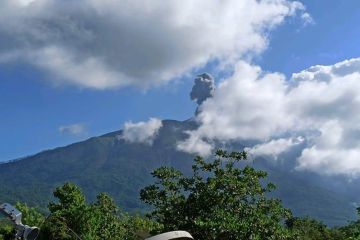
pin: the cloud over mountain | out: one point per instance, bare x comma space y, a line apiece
141, 132
320, 104
104, 44
274, 147
77, 129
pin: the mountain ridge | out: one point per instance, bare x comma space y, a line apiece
110, 164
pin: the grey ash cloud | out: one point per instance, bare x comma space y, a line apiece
203, 88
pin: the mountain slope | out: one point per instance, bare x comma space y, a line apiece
110, 164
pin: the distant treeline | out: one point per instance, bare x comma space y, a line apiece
220, 200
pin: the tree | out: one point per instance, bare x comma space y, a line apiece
109, 224
30, 215
311, 229
68, 217
114, 224
139, 227
71, 217
219, 201
352, 230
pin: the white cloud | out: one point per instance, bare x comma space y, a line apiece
108, 43
68, 70
77, 129
25, 2
195, 144
274, 147
249, 105
141, 132
253, 104
307, 19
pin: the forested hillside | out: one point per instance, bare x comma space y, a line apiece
218, 200
110, 164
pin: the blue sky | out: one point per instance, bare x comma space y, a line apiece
331, 39
33, 108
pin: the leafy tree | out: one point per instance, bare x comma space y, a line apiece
68, 216
115, 224
352, 230
108, 224
311, 229
73, 218
219, 201
139, 227
30, 215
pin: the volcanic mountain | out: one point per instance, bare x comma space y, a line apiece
109, 163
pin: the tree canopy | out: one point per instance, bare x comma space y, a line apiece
219, 201
71, 217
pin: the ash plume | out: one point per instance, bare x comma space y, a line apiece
203, 88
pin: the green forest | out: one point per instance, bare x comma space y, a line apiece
221, 199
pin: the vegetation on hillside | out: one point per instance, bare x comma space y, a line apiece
110, 164
220, 200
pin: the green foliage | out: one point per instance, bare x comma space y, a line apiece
30, 216
207, 204
107, 224
311, 229
219, 201
6, 230
352, 230
73, 218
139, 227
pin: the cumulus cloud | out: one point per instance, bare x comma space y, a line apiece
320, 103
104, 44
195, 144
77, 129
242, 108
141, 132
274, 147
